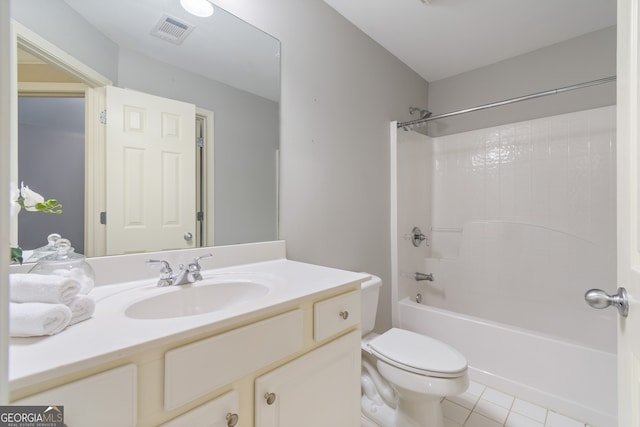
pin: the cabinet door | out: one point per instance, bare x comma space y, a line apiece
220, 412
107, 399
319, 389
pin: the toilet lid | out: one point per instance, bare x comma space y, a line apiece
418, 353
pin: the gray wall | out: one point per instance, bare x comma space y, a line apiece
340, 90
51, 162
582, 59
63, 27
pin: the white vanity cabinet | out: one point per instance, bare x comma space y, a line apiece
322, 387
319, 389
193, 370
295, 364
106, 399
220, 412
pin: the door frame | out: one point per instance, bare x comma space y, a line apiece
205, 183
31, 42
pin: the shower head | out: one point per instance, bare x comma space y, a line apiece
423, 113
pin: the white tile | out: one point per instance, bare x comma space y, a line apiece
467, 399
556, 420
366, 422
449, 423
499, 398
530, 410
475, 389
491, 410
477, 420
517, 420
455, 412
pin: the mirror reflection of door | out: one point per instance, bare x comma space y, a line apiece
150, 172
52, 160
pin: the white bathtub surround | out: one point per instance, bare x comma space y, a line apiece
565, 377
524, 224
521, 224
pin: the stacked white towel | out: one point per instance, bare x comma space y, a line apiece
45, 304
51, 289
82, 308
36, 319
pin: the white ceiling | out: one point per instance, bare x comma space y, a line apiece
221, 47
447, 37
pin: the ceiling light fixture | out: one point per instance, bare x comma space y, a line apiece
201, 8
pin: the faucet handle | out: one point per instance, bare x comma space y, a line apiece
166, 272
194, 268
195, 264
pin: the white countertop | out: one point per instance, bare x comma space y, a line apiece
110, 334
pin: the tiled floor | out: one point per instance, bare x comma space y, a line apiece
482, 406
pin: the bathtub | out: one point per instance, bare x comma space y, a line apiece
568, 378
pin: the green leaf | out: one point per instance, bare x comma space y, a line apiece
16, 255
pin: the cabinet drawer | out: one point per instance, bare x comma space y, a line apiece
335, 314
195, 369
106, 399
211, 414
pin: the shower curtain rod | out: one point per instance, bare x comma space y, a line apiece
410, 123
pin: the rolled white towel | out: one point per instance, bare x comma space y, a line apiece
34, 319
82, 308
25, 287
86, 282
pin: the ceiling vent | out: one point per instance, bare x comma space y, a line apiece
172, 29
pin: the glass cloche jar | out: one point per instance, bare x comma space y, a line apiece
65, 262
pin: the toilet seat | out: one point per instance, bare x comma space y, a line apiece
418, 353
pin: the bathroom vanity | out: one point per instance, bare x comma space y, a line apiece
285, 354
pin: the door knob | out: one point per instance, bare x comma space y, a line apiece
232, 419
188, 236
597, 298
270, 398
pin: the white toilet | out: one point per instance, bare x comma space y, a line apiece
405, 375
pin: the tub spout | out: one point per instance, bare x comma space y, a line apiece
423, 276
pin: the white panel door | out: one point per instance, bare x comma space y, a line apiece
150, 173
628, 133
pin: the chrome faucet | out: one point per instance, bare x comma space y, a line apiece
424, 276
189, 274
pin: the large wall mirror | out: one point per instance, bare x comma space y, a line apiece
226, 73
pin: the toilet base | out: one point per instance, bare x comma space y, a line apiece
408, 414
419, 413
381, 414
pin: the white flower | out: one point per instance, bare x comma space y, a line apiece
30, 198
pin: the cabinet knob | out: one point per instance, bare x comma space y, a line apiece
344, 314
232, 419
270, 398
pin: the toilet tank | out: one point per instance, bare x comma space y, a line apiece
369, 301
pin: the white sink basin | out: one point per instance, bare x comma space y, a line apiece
199, 298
